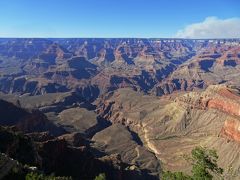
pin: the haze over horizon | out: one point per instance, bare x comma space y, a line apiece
120, 19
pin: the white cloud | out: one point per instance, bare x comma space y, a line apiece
212, 27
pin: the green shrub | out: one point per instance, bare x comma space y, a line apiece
101, 176
204, 166
37, 176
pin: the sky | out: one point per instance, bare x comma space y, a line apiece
120, 18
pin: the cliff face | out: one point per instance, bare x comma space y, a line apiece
231, 130
216, 97
228, 102
226, 106
220, 98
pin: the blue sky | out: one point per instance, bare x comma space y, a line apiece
115, 18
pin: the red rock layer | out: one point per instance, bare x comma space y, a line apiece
231, 129
232, 108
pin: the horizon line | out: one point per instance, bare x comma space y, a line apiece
172, 38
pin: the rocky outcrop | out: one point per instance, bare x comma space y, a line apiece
231, 130
63, 160
61, 156
229, 107
215, 97
17, 146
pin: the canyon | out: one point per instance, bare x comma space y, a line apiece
131, 108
